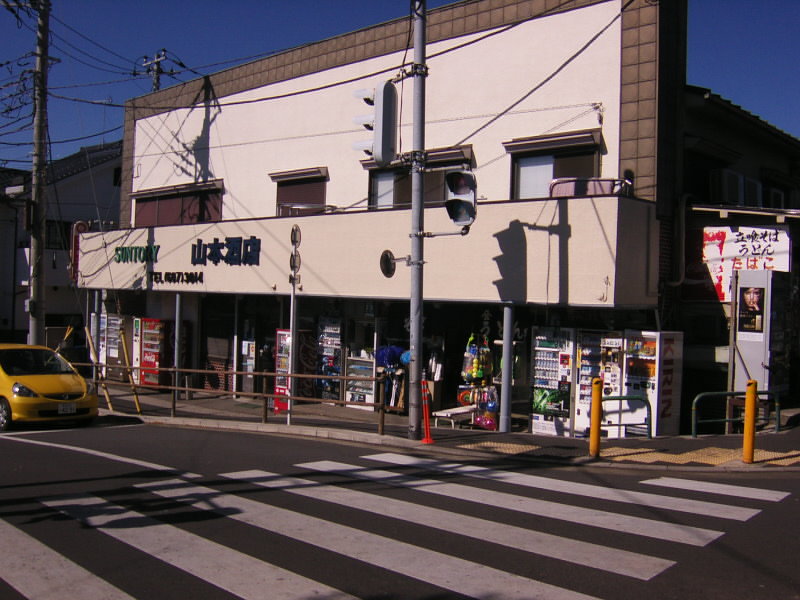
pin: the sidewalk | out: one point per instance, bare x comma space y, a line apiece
717, 452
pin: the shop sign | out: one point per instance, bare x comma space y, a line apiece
233, 251
726, 250
136, 254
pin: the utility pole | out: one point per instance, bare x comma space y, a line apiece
38, 205
153, 67
419, 72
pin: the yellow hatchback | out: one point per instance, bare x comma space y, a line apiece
38, 385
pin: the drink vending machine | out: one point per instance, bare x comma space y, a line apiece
283, 361
552, 359
643, 364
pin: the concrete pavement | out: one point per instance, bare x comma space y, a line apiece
717, 452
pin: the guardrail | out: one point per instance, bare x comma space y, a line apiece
648, 420
728, 419
267, 398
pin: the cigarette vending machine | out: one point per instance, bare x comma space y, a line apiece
633, 365
599, 354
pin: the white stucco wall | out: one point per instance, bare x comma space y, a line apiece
531, 79
468, 88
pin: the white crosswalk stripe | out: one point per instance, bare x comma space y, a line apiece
723, 489
217, 561
455, 574
48, 583
685, 534
229, 569
621, 562
696, 507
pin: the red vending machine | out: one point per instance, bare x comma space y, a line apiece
283, 361
150, 351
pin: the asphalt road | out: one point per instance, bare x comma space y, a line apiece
142, 511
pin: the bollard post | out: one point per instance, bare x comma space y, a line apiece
750, 409
596, 417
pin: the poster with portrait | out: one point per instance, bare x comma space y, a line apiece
751, 309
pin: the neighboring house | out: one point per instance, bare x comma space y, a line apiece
592, 93
83, 187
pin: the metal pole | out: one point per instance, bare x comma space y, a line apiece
95, 330
235, 357
36, 329
293, 348
417, 224
177, 362
507, 369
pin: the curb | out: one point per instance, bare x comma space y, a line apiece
390, 441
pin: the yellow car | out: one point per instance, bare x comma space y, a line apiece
38, 385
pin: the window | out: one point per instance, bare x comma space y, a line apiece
391, 188
536, 161
179, 205
300, 192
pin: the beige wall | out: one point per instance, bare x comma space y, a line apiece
470, 94
579, 264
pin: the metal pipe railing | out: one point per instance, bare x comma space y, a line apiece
704, 395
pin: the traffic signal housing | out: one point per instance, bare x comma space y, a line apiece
382, 123
461, 202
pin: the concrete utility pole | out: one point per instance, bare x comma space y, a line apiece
154, 68
38, 205
419, 72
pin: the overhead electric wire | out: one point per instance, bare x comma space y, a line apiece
88, 39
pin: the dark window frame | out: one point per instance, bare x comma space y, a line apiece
179, 205
301, 191
574, 154
438, 161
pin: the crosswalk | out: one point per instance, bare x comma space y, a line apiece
395, 524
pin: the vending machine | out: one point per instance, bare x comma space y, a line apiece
150, 352
599, 354
653, 371
329, 355
552, 363
283, 362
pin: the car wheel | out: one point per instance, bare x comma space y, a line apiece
5, 415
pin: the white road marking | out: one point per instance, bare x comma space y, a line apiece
695, 507
724, 489
684, 534
620, 562
455, 574
40, 573
238, 573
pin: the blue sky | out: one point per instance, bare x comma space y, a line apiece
744, 50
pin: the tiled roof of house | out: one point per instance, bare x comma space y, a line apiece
85, 158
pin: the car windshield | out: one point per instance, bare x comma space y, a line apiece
32, 361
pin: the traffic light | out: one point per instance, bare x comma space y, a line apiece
382, 123
461, 201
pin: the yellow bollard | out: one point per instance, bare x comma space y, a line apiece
596, 417
748, 443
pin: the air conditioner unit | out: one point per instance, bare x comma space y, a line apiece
752, 193
776, 198
727, 187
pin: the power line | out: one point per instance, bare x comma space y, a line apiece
90, 40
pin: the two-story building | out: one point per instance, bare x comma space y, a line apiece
571, 117
83, 189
